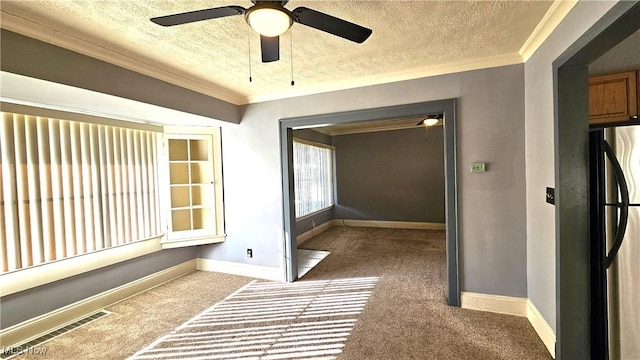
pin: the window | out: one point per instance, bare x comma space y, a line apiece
313, 176
80, 192
69, 188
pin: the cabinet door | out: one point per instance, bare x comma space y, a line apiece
613, 98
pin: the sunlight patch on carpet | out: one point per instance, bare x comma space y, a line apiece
270, 321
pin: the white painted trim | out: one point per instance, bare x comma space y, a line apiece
27, 278
390, 224
542, 327
494, 303
513, 306
315, 231
36, 327
556, 13
248, 270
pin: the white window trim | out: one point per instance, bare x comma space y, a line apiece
165, 204
325, 146
48, 272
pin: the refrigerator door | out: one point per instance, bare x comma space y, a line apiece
624, 273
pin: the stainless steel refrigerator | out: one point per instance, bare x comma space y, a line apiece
615, 242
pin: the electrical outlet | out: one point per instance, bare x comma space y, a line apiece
313, 223
249, 253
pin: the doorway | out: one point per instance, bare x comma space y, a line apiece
573, 301
445, 107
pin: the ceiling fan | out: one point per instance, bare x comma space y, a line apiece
271, 19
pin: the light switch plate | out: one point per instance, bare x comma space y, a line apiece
551, 196
478, 167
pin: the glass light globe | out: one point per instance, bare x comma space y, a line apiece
269, 21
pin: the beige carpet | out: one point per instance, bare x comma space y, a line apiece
405, 315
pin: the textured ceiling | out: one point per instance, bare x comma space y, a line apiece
409, 40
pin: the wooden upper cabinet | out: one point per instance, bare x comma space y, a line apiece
613, 98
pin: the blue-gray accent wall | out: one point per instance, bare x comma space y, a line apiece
391, 175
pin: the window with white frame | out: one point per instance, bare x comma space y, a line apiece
69, 188
76, 187
313, 176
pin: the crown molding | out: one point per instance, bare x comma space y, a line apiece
556, 13
427, 71
75, 43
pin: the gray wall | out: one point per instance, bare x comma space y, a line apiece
492, 205
30, 303
540, 155
391, 175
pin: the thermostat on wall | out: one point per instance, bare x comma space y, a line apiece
478, 167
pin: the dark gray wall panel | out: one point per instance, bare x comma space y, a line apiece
391, 175
28, 304
29, 57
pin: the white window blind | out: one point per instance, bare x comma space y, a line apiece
313, 178
69, 188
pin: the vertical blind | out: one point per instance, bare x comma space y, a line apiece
313, 178
69, 188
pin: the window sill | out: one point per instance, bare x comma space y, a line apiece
34, 276
170, 244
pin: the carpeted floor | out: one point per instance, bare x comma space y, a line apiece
405, 315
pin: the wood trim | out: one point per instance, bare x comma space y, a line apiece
36, 327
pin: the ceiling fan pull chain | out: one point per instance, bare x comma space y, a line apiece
291, 54
249, 42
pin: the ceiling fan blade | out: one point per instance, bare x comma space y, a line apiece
270, 47
198, 15
330, 24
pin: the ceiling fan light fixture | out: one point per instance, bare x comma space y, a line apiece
430, 122
269, 20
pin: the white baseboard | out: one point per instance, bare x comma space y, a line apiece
36, 327
494, 303
513, 306
542, 327
390, 224
248, 270
315, 231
